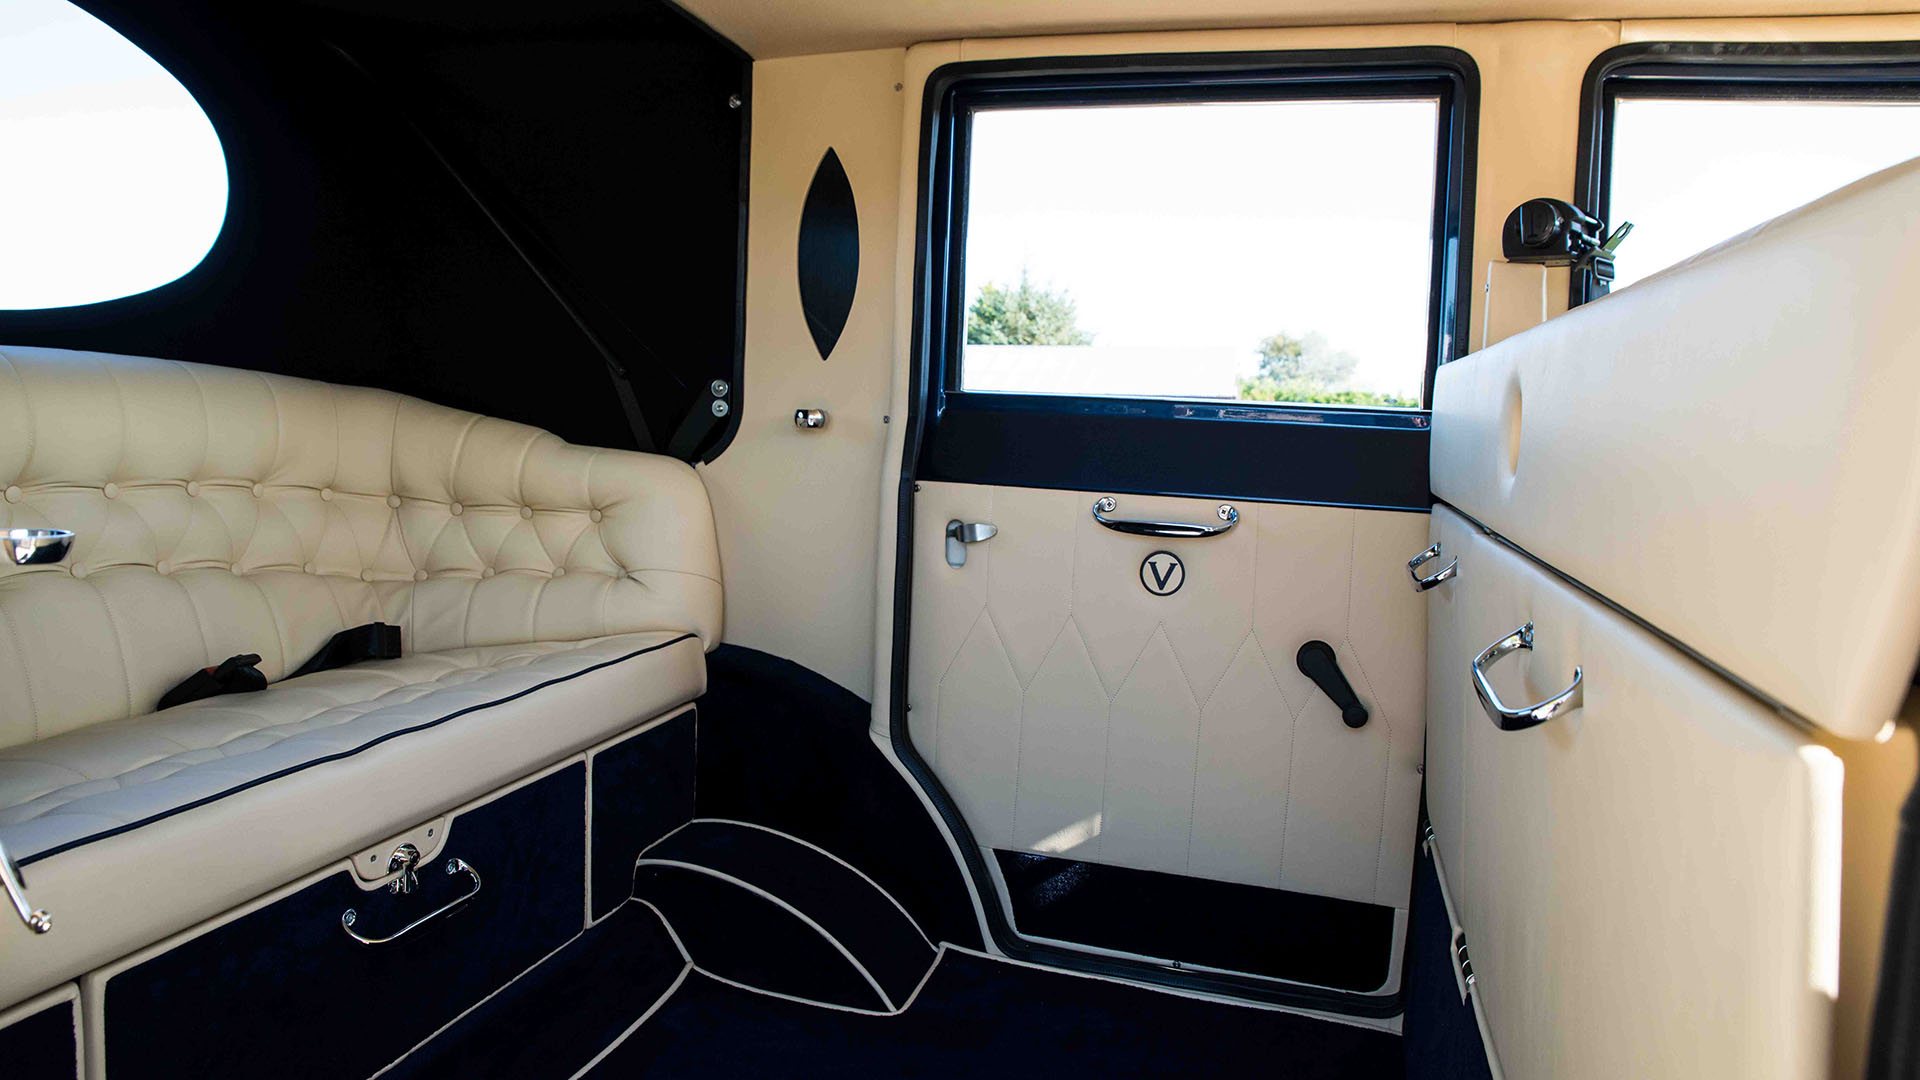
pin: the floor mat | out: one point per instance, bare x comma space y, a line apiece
982, 1017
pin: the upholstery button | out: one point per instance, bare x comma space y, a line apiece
309, 569
456, 509
559, 571
259, 490
526, 511
594, 515
366, 575
163, 566
393, 501
326, 494
419, 575
193, 488
111, 490
13, 493
78, 569
487, 573
235, 568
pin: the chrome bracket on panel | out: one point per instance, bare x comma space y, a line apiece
960, 534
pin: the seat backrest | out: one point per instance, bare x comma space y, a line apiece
220, 511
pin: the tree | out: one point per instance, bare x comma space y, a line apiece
1026, 315
1306, 370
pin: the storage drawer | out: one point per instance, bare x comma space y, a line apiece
40, 1037
282, 991
1648, 882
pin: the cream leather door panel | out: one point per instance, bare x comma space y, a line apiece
1072, 712
1649, 882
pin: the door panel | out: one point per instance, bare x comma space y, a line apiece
1648, 883
1071, 712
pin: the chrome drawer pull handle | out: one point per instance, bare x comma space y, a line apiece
454, 866
1175, 530
37, 921
1444, 574
1511, 719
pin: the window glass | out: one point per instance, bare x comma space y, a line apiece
113, 180
1259, 251
1689, 173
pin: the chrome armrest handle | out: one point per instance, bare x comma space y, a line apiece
961, 533
34, 547
1172, 530
37, 920
454, 866
1505, 717
1444, 574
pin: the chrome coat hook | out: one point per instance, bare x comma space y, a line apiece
36, 919
1506, 717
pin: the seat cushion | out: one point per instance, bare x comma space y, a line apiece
133, 829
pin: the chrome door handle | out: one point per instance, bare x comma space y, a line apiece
961, 533
1175, 530
37, 921
1444, 574
1505, 717
454, 866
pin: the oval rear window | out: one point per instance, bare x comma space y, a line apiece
114, 182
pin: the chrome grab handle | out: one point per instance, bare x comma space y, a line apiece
33, 547
1175, 530
454, 866
37, 921
1511, 719
1444, 574
961, 533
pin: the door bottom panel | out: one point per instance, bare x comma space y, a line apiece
1320, 940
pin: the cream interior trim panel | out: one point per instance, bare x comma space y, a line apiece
1649, 883
1070, 712
1727, 450
220, 512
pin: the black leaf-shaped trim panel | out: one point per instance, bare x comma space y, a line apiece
829, 260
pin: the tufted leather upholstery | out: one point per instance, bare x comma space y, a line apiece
220, 511
550, 597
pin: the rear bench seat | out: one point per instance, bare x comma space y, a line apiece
549, 597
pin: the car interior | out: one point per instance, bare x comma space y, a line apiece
1021, 538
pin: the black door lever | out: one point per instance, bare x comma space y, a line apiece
1318, 663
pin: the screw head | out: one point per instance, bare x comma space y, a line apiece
719, 407
733, 101
1226, 512
350, 917
719, 387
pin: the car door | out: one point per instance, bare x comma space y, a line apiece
1158, 658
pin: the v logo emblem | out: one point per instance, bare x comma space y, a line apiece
1162, 573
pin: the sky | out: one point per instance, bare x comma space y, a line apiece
1690, 174
1214, 226
114, 181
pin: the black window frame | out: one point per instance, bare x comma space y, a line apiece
1722, 71
1371, 457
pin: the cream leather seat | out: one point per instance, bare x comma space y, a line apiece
549, 597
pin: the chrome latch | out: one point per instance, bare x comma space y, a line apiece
404, 860
37, 920
960, 534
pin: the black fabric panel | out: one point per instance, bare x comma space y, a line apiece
739, 935
283, 992
642, 790
829, 253
986, 1018
1442, 1040
858, 916
785, 747
553, 1020
1894, 1051
349, 254
1120, 448
340, 754
41, 1046
1343, 944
